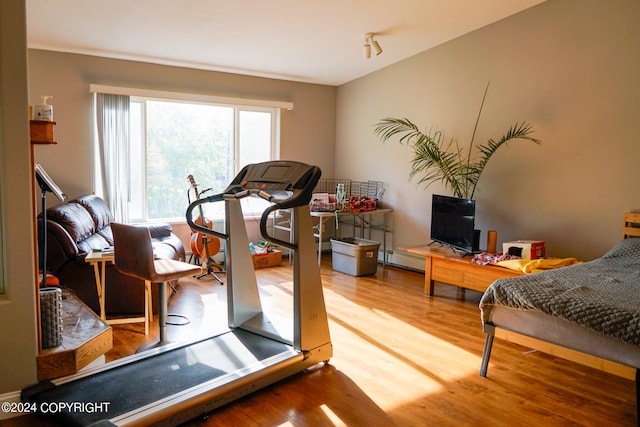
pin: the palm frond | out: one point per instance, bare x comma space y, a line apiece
433, 158
436, 160
435, 163
389, 127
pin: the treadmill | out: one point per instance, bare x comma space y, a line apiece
177, 382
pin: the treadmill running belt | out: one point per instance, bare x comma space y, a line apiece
142, 382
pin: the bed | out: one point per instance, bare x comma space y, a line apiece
588, 313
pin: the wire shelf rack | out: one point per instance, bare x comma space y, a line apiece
372, 189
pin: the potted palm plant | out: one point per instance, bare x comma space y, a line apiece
437, 159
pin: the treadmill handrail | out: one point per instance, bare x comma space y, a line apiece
220, 197
265, 233
201, 228
263, 219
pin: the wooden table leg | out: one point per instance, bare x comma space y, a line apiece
99, 287
103, 285
428, 281
100, 273
148, 309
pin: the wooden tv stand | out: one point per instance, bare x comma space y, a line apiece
442, 264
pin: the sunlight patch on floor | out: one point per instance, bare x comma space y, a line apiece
423, 358
210, 319
331, 416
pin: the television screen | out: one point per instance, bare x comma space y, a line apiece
453, 222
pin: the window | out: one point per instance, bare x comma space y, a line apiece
171, 139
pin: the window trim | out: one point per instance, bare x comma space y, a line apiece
192, 97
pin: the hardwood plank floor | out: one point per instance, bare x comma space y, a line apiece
400, 359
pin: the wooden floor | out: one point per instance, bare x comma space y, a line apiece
401, 359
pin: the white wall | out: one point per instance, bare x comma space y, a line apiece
569, 67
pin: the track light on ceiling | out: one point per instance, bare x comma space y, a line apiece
368, 43
367, 50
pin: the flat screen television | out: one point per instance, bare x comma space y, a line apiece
453, 222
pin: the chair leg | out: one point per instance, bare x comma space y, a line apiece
150, 302
162, 312
148, 309
162, 318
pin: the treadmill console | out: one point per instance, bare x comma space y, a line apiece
285, 183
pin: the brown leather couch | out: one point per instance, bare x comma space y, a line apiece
83, 224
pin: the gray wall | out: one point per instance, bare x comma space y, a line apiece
18, 331
569, 67
307, 132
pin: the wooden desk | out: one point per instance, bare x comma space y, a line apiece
85, 337
442, 264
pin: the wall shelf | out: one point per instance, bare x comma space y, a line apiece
42, 132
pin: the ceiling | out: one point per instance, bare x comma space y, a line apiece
300, 40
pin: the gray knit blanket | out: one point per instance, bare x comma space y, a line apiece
602, 295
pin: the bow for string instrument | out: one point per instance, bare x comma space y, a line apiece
202, 245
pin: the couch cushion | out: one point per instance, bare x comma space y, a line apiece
97, 208
74, 218
159, 230
168, 248
91, 243
107, 235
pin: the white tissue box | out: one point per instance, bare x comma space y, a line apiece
529, 249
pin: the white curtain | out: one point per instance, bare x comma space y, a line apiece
112, 121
